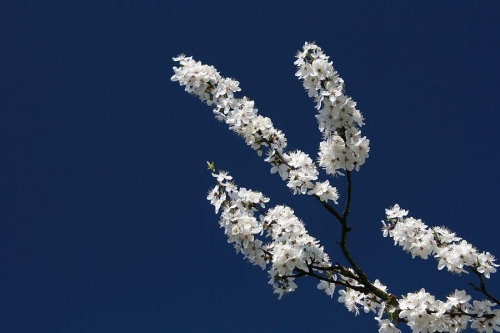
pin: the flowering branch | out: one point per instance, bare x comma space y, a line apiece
292, 253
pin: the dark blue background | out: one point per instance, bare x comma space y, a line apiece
104, 226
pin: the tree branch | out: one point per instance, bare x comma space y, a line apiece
348, 199
482, 286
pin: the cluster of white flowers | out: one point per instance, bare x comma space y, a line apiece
423, 313
291, 250
338, 118
386, 326
452, 252
240, 114
354, 299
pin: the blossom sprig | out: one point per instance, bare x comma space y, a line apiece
338, 118
424, 313
452, 252
240, 114
354, 299
291, 250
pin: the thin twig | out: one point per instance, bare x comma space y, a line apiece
482, 286
348, 199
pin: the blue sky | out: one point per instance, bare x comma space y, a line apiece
104, 225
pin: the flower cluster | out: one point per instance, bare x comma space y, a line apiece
452, 252
258, 131
291, 251
338, 118
353, 299
423, 313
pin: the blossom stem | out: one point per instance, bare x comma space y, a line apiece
348, 199
482, 287
329, 208
343, 244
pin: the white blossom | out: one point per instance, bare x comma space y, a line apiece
452, 252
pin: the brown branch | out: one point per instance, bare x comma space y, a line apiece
329, 208
482, 286
348, 199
